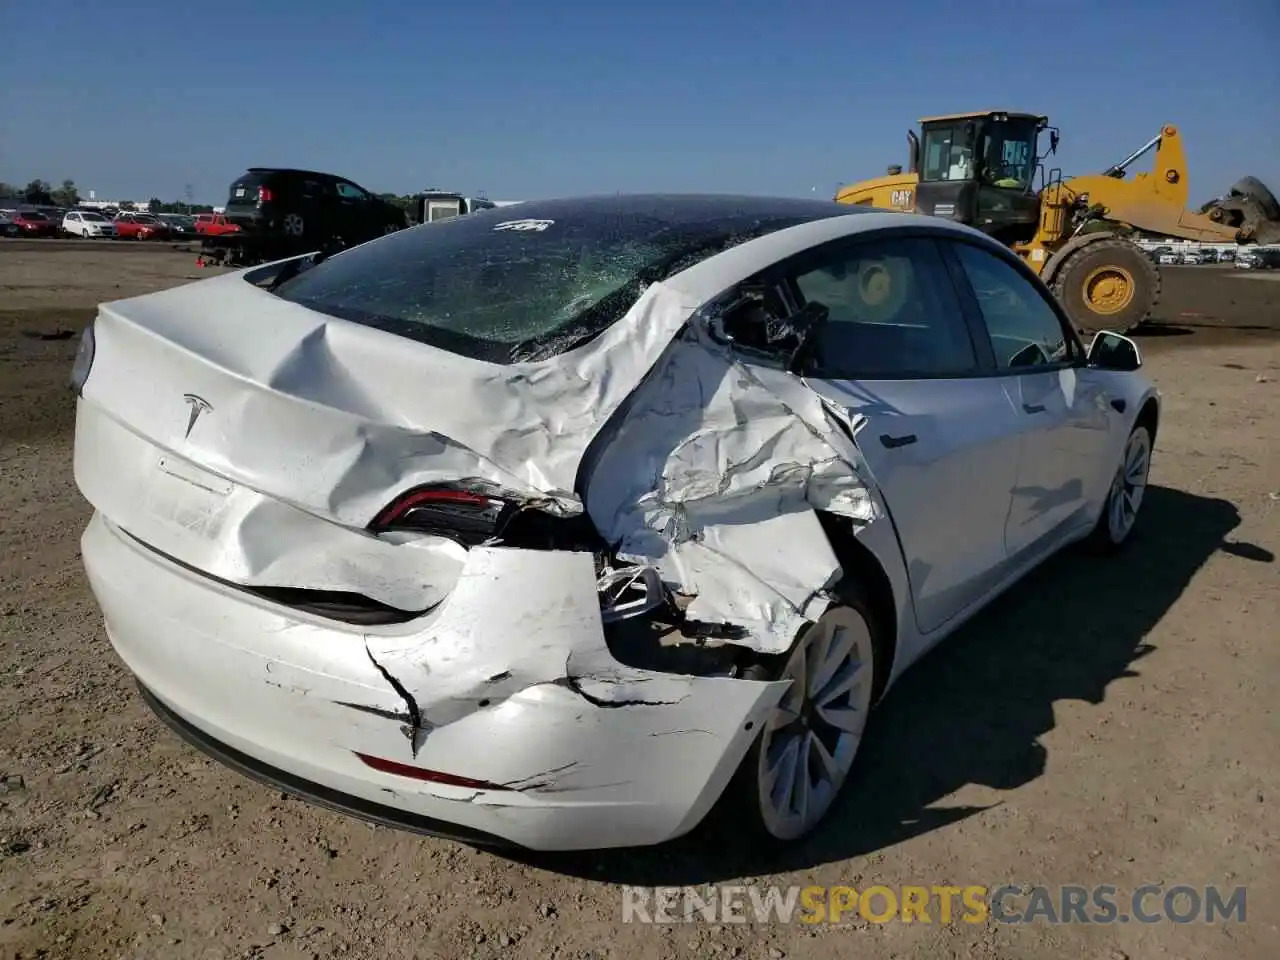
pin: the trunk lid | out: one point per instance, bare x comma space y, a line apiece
337, 418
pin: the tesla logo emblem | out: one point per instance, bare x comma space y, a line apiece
197, 405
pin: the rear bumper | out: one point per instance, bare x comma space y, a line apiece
561, 757
314, 793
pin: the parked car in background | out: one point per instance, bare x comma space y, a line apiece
1169, 259
214, 225
33, 223
7, 227
140, 226
1193, 258
1255, 258
1227, 255
306, 205
548, 521
179, 224
88, 224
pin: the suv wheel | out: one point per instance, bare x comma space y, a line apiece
293, 224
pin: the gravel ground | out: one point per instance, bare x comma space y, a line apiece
1108, 722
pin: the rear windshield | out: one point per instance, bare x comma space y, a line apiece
95, 217
247, 186
506, 287
33, 215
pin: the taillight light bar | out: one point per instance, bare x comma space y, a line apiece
468, 517
265, 195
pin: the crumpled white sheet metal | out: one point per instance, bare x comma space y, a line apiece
714, 476
361, 410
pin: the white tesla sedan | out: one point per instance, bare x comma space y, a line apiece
550, 527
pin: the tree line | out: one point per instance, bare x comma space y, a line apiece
39, 193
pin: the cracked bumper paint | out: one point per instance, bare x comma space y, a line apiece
520, 693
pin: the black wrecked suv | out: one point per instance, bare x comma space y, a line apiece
309, 207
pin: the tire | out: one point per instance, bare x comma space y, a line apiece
801, 722
294, 225
1119, 516
1092, 286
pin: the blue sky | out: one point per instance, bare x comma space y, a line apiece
135, 98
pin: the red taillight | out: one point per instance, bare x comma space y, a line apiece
430, 776
465, 516
265, 195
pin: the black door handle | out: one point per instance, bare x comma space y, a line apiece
1033, 407
902, 441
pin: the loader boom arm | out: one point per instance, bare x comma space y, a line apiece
1154, 202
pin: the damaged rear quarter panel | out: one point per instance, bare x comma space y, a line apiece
713, 474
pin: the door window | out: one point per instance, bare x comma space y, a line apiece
1024, 328
892, 312
349, 191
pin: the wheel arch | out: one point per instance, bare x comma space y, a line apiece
863, 566
1149, 416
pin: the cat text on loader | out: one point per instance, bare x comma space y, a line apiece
987, 170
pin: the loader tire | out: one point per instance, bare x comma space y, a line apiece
1108, 285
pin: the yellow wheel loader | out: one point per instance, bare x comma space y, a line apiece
987, 170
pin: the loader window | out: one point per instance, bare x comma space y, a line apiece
946, 154
1008, 154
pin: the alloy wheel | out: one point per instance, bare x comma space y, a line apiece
1129, 485
811, 737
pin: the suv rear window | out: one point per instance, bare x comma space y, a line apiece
246, 187
507, 287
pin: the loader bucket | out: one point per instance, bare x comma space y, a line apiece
1249, 207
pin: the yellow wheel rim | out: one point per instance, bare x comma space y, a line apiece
1108, 290
875, 286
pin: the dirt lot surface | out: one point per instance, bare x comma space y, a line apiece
1107, 722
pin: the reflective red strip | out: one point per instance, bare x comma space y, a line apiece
430, 776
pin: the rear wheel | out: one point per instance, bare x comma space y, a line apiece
798, 765
293, 224
1108, 285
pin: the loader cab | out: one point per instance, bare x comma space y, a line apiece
979, 169
442, 205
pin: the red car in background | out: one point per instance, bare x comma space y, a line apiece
31, 223
140, 226
214, 225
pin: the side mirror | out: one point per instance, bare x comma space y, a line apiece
1111, 351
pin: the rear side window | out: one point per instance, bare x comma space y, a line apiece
505, 287
892, 312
